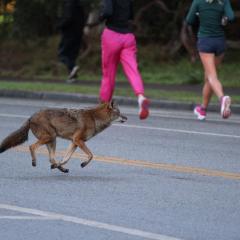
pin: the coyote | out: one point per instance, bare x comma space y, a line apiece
76, 125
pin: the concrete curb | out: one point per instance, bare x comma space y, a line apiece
74, 97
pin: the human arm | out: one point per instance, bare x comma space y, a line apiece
192, 14
106, 10
228, 11
189, 40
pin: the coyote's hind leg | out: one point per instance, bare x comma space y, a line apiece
51, 150
34, 147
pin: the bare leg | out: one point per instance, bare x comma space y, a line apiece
210, 63
207, 89
206, 93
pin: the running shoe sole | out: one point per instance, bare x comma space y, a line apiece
199, 116
225, 107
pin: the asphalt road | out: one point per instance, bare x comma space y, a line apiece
169, 177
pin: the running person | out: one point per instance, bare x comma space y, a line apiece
71, 25
213, 16
119, 45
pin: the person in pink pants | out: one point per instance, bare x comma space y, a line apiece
119, 46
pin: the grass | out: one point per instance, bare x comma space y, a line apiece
184, 96
38, 60
94, 90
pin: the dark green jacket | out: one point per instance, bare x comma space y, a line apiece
210, 16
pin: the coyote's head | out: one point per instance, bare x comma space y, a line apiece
112, 111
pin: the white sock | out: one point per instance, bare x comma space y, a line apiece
140, 99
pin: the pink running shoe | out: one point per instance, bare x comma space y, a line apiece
144, 109
200, 112
225, 107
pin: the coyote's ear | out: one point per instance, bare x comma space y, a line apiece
113, 104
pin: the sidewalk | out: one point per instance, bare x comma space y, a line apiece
155, 103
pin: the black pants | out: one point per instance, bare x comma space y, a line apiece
68, 49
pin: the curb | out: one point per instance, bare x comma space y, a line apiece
76, 97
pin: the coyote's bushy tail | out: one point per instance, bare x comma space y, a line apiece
16, 138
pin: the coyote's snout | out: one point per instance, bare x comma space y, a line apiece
76, 125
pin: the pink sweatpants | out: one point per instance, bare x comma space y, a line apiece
118, 47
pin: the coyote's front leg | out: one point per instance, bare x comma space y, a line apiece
85, 149
71, 149
77, 141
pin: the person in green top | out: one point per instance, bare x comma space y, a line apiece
212, 15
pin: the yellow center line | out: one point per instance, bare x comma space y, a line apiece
144, 164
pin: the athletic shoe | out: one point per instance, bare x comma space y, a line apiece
71, 80
144, 108
73, 74
225, 107
200, 112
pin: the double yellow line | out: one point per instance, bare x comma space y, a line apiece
145, 164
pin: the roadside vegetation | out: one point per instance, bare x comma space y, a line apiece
34, 64
29, 42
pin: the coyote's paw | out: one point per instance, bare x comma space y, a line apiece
62, 169
54, 165
84, 164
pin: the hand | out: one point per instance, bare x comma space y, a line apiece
86, 30
224, 21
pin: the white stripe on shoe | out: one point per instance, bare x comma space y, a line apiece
201, 115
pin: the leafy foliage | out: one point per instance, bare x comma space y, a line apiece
156, 21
